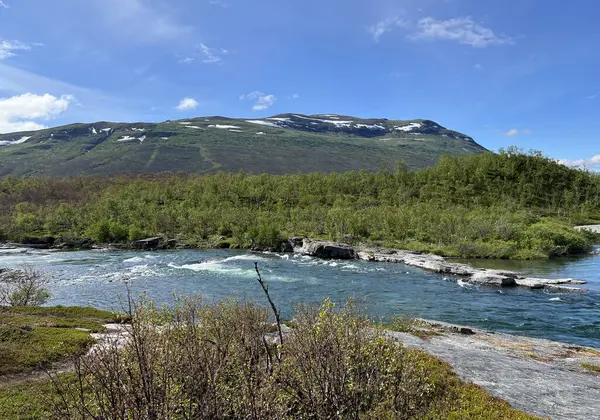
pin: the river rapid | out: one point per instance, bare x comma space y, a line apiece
98, 278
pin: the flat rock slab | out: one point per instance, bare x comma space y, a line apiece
429, 262
537, 376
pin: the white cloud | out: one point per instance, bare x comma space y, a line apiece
8, 48
18, 113
477, 66
262, 101
387, 25
187, 103
591, 163
295, 96
515, 132
462, 30
95, 104
2, 4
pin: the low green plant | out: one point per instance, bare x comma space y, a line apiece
590, 367
36, 337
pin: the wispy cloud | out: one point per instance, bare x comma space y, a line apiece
142, 22
4, 5
515, 132
206, 54
295, 96
477, 66
383, 26
463, 30
210, 55
594, 95
19, 113
8, 48
92, 104
262, 101
219, 3
591, 163
187, 103
186, 60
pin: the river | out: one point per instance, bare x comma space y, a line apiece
97, 278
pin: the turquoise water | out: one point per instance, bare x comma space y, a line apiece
97, 278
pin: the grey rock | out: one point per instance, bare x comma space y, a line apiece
286, 246
492, 278
327, 250
540, 377
429, 262
148, 243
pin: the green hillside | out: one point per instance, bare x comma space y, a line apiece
281, 144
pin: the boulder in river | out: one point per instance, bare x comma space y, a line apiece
327, 250
148, 243
493, 278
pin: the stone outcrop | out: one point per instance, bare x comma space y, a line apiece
326, 249
541, 377
429, 262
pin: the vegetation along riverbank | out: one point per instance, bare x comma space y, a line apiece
507, 205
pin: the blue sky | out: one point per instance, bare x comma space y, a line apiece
510, 72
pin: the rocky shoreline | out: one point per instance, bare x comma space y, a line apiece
429, 262
335, 250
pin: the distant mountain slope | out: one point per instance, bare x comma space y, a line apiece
286, 143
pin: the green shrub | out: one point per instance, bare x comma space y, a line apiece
552, 238
219, 360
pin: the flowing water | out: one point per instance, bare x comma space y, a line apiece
97, 278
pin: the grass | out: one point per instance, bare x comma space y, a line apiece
36, 337
411, 326
27, 400
590, 367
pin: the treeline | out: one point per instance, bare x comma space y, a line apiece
506, 205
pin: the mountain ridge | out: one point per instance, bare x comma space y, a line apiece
282, 143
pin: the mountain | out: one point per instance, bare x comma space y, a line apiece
285, 143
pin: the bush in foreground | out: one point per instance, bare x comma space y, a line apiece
26, 287
221, 360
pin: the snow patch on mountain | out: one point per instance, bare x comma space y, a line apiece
371, 127
9, 143
223, 126
262, 122
127, 138
336, 122
409, 127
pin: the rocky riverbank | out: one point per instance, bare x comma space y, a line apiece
542, 377
429, 262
